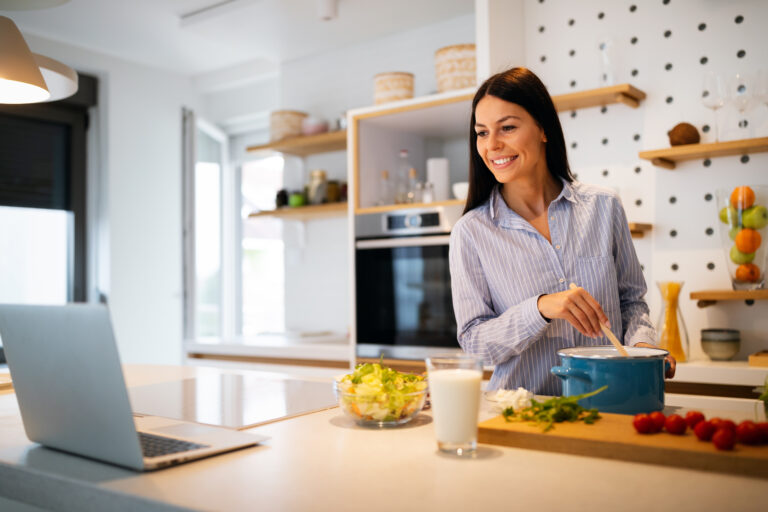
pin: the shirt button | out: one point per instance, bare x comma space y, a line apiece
562, 280
552, 218
557, 247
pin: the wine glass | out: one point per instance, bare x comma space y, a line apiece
742, 94
713, 94
762, 85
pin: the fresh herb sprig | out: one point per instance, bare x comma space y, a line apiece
555, 410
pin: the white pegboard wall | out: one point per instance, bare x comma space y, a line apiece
663, 47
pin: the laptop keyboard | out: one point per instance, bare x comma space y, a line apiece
156, 446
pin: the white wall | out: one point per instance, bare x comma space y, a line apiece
325, 86
647, 194
138, 197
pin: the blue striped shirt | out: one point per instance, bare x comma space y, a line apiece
501, 265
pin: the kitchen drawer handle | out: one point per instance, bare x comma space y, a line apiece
415, 241
564, 373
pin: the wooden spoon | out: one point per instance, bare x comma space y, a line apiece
609, 334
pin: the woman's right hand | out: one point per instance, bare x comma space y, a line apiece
577, 307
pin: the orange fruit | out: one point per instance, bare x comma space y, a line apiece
747, 240
742, 197
748, 272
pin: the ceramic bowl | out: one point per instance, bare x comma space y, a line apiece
720, 344
460, 190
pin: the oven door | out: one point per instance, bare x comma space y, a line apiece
403, 294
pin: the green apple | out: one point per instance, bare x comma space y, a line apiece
733, 232
729, 215
739, 257
755, 217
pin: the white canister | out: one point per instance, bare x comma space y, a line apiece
438, 174
392, 86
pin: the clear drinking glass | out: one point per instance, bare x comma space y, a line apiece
742, 94
743, 214
713, 95
454, 388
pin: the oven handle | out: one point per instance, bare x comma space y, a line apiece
416, 241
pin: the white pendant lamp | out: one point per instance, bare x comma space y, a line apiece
60, 78
20, 78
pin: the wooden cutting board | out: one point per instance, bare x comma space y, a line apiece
614, 437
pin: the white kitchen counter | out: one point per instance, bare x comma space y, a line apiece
331, 347
323, 461
721, 372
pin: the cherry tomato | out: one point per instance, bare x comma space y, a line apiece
763, 426
704, 430
642, 423
693, 417
721, 423
675, 424
748, 433
724, 438
658, 419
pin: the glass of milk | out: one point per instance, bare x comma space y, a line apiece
454, 388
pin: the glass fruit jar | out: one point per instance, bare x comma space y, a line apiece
743, 214
673, 336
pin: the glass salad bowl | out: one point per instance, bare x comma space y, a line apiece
376, 396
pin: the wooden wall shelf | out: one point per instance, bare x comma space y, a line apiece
638, 229
622, 93
306, 144
395, 207
709, 297
309, 212
667, 158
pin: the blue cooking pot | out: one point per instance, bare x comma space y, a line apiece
635, 383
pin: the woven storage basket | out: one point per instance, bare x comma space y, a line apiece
455, 67
392, 86
285, 123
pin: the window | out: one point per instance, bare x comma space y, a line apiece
207, 181
263, 271
233, 264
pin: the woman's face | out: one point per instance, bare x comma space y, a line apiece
509, 140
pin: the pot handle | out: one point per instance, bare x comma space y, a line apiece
564, 373
667, 366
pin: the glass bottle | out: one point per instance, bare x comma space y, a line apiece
385, 189
414, 192
671, 327
401, 177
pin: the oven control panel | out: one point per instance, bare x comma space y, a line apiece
407, 222
416, 220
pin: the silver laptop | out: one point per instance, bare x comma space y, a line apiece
72, 396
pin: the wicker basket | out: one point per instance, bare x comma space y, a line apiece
285, 123
455, 67
392, 86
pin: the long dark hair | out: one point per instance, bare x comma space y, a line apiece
523, 87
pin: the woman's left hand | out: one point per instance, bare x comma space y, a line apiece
671, 360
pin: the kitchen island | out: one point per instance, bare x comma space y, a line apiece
323, 461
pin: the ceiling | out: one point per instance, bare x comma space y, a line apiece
196, 37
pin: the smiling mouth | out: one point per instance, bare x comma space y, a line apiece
502, 161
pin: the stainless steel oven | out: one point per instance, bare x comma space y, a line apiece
403, 299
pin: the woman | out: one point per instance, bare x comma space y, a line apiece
529, 231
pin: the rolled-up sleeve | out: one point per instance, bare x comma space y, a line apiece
632, 288
481, 330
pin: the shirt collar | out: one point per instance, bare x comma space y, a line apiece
506, 217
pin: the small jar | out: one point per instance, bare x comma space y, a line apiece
333, 191
317, 186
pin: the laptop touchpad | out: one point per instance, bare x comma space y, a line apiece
186, 430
